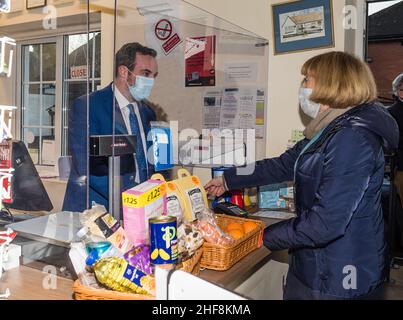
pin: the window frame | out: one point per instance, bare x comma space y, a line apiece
65, 81
58, 101
61, 66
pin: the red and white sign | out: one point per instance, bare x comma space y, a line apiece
171, 43
78, 72
166, 35
163, 29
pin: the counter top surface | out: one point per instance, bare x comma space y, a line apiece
26, 283
240, 272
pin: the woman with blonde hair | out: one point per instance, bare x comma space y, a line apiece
336, 242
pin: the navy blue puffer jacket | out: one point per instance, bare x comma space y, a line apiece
336, 242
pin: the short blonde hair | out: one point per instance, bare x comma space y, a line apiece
341, 80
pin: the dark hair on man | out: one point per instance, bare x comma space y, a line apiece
126, 56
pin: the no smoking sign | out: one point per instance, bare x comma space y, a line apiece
167, 36
163, 29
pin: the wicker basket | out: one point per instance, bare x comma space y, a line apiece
82, 292
220, 257
192, 265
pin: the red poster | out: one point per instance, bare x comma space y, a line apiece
200, 61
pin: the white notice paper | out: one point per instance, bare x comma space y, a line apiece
212, 109
247, 108
240, 72
230, 109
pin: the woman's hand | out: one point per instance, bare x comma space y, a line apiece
215, 187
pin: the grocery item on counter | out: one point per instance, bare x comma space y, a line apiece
77, 256
275, 196
103, 224
162, 146
237, 198
208, 226
141, 203
117, 274
88, 217
195, 197
237, 230
234, 226
246, 198
164, 241
139, 257
92, 241
189, 240
175, 202
249, 226
113, 232
97, 254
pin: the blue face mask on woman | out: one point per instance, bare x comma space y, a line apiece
142, 88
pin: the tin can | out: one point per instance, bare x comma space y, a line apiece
163, 240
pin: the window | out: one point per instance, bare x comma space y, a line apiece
38, 101
75, 73
49, 87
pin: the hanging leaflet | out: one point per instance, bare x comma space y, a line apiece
229, 117
235, 108
247, 109
212, 109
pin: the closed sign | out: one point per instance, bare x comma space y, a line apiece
78, 72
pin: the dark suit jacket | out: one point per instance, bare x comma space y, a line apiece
100, 123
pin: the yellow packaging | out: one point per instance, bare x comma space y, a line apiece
175, 203
117, 274
193, 194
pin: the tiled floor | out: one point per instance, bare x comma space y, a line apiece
394, 289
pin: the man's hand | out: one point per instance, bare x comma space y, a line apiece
215, 187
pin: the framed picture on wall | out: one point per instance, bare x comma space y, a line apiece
302, 25
5, 6
31, 4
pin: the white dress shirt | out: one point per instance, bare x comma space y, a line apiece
123, 105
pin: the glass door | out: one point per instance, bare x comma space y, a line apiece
39, 101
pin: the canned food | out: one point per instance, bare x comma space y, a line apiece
163, 240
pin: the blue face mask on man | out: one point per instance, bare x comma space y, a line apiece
142, 88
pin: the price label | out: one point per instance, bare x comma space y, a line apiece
139, 201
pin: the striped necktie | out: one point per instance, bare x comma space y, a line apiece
140, 156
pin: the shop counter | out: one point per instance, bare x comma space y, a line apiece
27, 283
240, 272
33, 283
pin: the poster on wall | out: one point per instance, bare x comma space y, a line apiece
200, 55
5, 6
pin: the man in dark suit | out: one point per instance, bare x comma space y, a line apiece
136, 69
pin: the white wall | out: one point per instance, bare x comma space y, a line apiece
284, 70
254, 15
